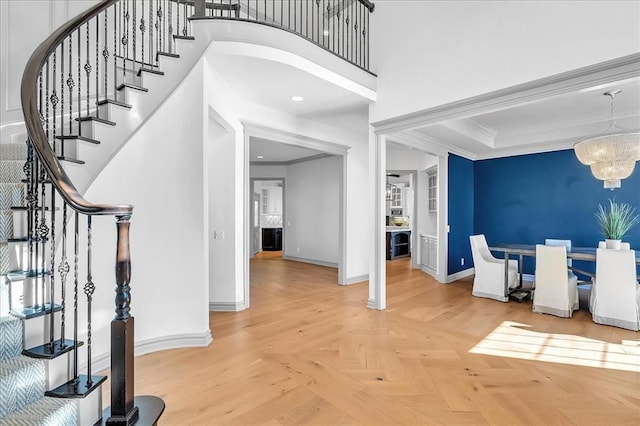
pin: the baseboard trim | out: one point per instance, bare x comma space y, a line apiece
103, 361
312, 261
227, 306
355, 280
461, 274
429, 271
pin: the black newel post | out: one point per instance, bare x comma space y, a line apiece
123, 409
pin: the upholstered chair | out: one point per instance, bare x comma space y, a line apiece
615, 295
489, 271
556, 291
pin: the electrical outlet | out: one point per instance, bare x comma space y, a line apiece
218, 235
298, 249
462, 261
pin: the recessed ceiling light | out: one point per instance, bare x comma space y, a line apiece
325, 32
297, 98
260, 157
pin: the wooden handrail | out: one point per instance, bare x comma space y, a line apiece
35, 130
368, 5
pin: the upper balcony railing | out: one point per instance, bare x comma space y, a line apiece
339, 26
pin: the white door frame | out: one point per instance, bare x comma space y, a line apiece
259, 131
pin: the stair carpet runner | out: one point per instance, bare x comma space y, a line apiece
22, 379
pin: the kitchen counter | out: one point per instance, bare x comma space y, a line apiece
398, 229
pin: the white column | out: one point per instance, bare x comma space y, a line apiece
377, 268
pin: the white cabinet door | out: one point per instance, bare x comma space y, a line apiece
424, 251
433, 253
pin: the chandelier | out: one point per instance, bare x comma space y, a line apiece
612, 154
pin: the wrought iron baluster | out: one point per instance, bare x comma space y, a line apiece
142, 31
70, 85
30, 199
178, 19
75, 293
54, 100
115, 48
87, 70
52, 275
151, 34
105, 55
43, 232
171, 47
63, 269
97, 65
125, 41
133, 31
89, 289
62, 52
79, 84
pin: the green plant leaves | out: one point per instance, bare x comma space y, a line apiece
617, 220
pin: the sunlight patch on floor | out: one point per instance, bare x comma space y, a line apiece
514, 340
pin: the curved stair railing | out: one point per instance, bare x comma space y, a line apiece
71, 85
339, 26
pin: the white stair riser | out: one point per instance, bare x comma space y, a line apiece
19, 223
59, 370
37, 330
90, 408
28, 292
18, 256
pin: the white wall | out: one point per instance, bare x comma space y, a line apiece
428, 53
21, 31
161, 172
312, 202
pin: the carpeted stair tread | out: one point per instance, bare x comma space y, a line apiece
13, 151
45, 411
11, 194
4, 261
11, 171
10, 338
22, 382
6, 225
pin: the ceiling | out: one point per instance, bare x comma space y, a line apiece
548, 123
543, 123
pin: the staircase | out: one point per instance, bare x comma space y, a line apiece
86, 90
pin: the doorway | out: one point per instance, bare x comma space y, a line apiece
268, 216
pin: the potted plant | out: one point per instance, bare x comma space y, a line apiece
616, 221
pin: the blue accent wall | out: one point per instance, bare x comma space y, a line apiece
461, 212
527, 198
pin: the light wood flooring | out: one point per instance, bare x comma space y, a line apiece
309, 352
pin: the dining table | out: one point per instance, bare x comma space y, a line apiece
521, 250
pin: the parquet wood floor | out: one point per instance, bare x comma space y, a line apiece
308, 352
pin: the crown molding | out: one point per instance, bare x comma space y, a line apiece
618, 69
427, 144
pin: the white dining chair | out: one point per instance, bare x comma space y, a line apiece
615, 295
556, 291
489, 271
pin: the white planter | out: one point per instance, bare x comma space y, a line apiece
613, 244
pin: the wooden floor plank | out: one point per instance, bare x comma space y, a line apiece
309, 352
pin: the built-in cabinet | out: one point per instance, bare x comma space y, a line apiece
432, 195
396, 196
398, 243
271, 201
429, 252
